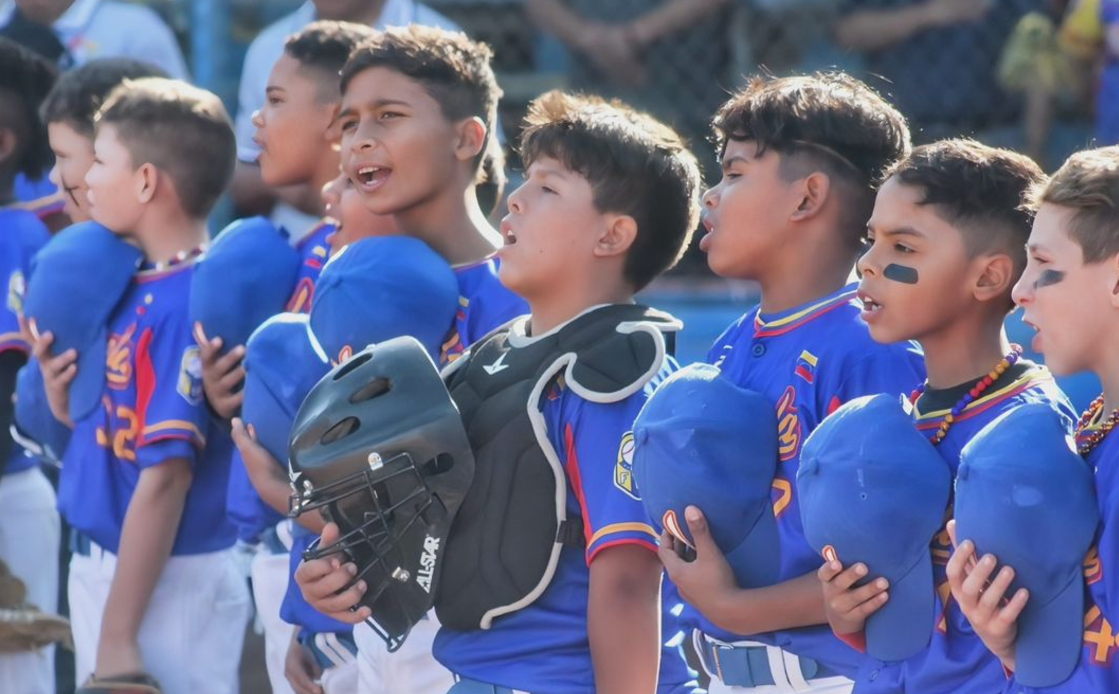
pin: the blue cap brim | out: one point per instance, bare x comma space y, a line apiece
756, 561
1050, 637
89, 382
903, 626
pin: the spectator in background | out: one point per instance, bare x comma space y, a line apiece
1107, 100
73, 32
294, 207
667, 56
939, 57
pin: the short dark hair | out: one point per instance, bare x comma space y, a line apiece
827, 121
979, 189
79, 93
1088, 185
635, 165
180, 129
454, 70
324, 46
25, 79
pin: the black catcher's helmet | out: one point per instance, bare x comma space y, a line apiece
379, 448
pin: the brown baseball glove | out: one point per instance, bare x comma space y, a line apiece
23, 627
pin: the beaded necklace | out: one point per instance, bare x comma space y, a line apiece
180, 258
972, 395
1085, 442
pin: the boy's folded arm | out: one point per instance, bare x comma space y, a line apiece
623, 619
147, 537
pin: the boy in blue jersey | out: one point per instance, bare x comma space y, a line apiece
69, 110
419, 108
29, 526
609, 203
298, 134
946, 245
153, 587
800, 157
1068, 295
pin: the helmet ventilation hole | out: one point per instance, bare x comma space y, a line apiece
353, 363
373, 389
341, 430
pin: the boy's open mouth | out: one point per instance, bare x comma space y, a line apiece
370, 176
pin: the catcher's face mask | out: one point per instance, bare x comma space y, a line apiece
379, 448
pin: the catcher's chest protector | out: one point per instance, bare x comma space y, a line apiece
506, 539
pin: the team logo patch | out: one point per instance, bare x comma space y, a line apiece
806, 366
675, 528
17, 288
190, 376
623, 469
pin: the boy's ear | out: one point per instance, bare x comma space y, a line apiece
147, 180
1113, 265
333, 132
618, 237
996, 279
9, 143
471, 138
814, 191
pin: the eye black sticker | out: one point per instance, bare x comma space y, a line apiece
1048, 278
900, 273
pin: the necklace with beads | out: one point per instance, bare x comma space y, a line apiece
1085, 441
180, 258
972, 395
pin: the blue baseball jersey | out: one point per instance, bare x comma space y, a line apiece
21, 237
956, 659
543, 648
314, 251
484, 305
38, 196
152, 410
1098, 667
807, 361
248, 512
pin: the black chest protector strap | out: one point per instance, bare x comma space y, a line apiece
505, 543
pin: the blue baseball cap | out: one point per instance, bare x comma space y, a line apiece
36, 428
874, 490
283, 361
1026, 496
701, 440
246, 276
76, 281
383, 287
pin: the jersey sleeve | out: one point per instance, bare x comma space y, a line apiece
599, 461
170, 409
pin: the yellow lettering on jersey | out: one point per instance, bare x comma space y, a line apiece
944, 590
124, 433
118, 359
784, 497
788, 426
1093, 569
1103, 638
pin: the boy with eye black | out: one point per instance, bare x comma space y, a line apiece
946, 244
